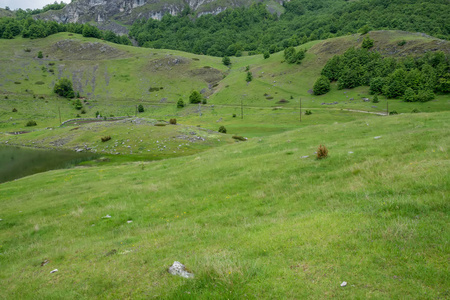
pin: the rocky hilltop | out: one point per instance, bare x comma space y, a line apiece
126, 11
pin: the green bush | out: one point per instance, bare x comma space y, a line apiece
173, 121
321, 86
195, 97
375, 99
249, 77
234, 115
226, 61
239, 138
222, 129
14, 109
394, 112
410, 95
78, 105
415, 111
266, 55
40, 55
140, 108
367, 43
424, 95
105, 138
64, 88
31, 123
180, 103
308, 112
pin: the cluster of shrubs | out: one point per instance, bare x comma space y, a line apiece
222, 129
105, 138
410, 78
173, 121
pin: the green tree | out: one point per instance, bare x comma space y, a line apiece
365, 29
321, 86
367, 43
226, 61
410, 95
266, 54
64, 88
376, 85
249, 77
91, 31
78, 105
290, 55
375, 99
180, 103
40, 55
140, 108
195, 97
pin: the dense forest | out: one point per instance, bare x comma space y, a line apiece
255, 30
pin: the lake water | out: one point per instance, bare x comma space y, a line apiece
16, 162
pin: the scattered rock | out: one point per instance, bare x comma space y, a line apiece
106, 217
53, 271
306, 156
344, 283
46, 261
377, 137
129, 221
350, 152
179, 269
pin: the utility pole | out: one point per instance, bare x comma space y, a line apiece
59, 111
387, 108
242, 106
300, 109
135, 110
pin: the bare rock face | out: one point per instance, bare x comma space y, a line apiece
106, 12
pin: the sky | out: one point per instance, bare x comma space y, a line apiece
24, 4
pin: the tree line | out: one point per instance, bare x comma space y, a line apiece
410, 78
33, 29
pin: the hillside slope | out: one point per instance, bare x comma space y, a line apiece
259, 220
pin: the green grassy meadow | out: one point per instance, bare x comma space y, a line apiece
259, 219
250, 220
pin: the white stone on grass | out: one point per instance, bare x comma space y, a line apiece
106, 217
344, 283
54, 271
179, 269
377, 137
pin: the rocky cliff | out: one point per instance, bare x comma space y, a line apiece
127, 11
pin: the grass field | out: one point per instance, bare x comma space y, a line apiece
250, 220
259, 219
